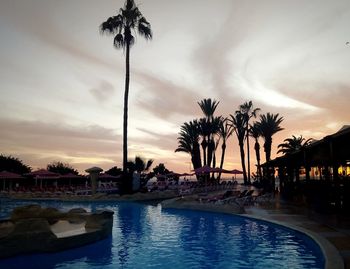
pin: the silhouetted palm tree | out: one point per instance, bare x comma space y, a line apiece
139, 165
122, 25
255, 133
293, 144
208, 107
249, 112
214, 128
210, 126
204, 131
225, 131
238, 122
188, 142
269, 124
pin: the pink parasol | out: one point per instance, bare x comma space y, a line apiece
4, 175
204, 170
234, 172
9, 175
185, 175
70, 176
43, 173
105, 176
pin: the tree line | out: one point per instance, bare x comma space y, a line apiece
200, 138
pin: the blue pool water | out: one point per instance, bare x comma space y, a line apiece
146, 236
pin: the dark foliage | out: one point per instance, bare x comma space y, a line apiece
61, 168
114, 171
14, 165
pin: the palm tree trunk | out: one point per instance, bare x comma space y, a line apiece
223, 149
241, 148
257, 152
248, 154
204, 147
210, 151
214, 163
267, 148
126, 98
197, 162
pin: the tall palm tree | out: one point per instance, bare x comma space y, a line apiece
269, 124
293, 144
208, 107
129, 18
225, 131
213, 132
209, 128
188, 141
204, 131
238, 122
255, 133
249, 112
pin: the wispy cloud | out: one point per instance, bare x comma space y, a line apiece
103, 91
165, 99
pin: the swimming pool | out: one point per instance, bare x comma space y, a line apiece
146, 236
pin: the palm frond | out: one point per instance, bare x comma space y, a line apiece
119, 41
144, 29
129, 18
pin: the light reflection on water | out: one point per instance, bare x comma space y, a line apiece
146, 236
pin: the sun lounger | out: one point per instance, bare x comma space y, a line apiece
185, 190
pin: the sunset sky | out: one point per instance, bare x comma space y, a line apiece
62, 82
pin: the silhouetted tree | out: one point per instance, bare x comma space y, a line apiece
114, 171
209, 128
61, 168
293, 144
160, 169
139, 165
204, 132
188, 141
269, 124
248, 112
122, 25
225, 131
14, 165
238, 122
255, 133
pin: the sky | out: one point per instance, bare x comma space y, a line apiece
62, 82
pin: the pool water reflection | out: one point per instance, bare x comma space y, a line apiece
146, 236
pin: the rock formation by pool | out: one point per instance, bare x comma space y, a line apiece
33, 229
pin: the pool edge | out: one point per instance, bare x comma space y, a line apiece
333, 259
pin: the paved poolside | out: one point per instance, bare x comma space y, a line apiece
332, 234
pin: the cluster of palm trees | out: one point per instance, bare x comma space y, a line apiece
201, 137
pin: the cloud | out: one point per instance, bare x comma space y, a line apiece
59, 141
162, 141
55, 32
103, 91
164, 98
37, 128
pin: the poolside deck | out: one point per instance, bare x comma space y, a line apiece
336, 231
